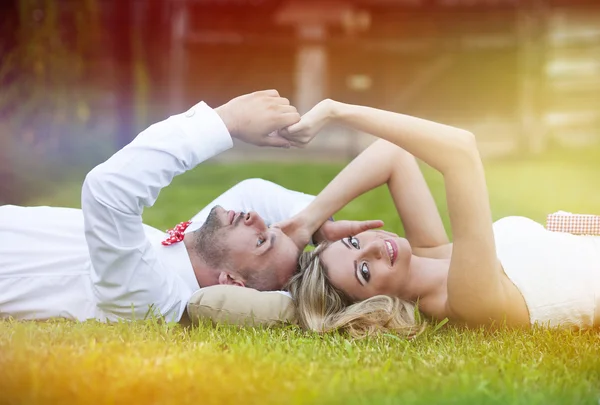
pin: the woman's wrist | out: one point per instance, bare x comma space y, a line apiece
308, 219
311, 218
334, 109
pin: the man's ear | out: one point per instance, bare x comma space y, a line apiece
231, 279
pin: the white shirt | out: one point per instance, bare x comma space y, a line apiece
101, 261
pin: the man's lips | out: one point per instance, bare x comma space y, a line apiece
234, 217
392, 249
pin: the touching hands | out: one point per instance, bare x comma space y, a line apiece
264, 118
301, 133
256, 117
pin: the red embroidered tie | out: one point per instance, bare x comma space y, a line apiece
176, 234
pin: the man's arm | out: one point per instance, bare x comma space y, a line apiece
127, 275
128, 278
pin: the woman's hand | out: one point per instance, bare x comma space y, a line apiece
301, 133
297, 229
335, 230
301, 232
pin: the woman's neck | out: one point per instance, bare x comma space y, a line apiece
427, 283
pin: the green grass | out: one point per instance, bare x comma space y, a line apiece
148, 362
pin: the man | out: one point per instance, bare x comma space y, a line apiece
101, 262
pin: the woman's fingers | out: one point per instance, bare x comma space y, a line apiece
294, 128
340, 229
368, 225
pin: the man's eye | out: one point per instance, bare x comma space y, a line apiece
364, 272
260, 241
354, 242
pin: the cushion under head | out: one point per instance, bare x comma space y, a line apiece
240, 306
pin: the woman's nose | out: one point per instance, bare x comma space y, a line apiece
375, 249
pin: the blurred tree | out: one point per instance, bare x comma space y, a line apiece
121, 38
134, 30
47, 47
8, 18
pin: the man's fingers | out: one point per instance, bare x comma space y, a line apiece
287, 109
287, 119
270, 92
300, 145
284, 132
276, 140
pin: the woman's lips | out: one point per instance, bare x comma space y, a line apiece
392, 249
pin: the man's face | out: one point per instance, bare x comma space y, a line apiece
242, 243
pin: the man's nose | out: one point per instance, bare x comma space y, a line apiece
253, 219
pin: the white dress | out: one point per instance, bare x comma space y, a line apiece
557, 273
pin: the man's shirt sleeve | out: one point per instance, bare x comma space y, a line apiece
127, 275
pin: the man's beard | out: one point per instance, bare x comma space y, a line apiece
209, 242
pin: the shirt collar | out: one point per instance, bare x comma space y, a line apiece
175, 258
178, 260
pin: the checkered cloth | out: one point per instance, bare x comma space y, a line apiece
577, 224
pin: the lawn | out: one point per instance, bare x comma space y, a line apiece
152, 363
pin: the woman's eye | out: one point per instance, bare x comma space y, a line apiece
260, 241
364, 272
354, 242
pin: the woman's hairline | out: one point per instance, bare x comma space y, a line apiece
345, 297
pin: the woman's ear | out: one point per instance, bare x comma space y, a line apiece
231, 279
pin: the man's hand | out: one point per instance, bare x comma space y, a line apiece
299, 230
310, 124
256, 117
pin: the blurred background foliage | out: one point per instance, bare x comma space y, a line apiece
47, 120
80, 78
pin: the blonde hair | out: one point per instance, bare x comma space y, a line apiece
323, 308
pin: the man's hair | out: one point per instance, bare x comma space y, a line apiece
269, 278
209, 244
265, 279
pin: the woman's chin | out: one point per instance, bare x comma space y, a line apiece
403, 256
404, 249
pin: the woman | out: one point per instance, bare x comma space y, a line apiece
512, 271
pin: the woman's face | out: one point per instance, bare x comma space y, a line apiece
368, 264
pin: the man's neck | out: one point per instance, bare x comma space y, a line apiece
204, 274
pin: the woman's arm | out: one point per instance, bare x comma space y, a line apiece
386, 163
415, 205
477, 286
